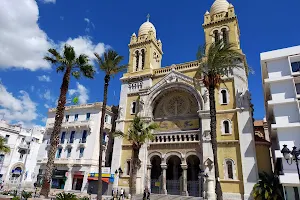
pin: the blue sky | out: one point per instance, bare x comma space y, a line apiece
29, 28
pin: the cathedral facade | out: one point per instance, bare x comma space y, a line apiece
179, 161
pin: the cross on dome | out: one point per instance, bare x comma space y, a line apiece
148, 17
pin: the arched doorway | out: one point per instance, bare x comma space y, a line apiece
174, 173
193, 182
15, 175
156, 175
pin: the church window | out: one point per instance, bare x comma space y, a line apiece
137, 61
216, 36
225, 36
133, 107
229, 169
295, 66
224, 97
226, 127
128, 167
143, 59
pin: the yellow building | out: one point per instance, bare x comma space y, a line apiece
179, 161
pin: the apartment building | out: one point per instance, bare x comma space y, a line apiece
281, 84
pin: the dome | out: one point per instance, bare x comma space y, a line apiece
146, 27
219, 6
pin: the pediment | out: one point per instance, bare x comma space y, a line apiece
171, 78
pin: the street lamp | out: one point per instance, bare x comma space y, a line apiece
291, 155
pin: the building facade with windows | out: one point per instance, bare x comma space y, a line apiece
24, 145
281, 84
179, 160
78, 150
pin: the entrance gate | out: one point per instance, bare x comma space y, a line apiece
173, 187
155, 186
193, 188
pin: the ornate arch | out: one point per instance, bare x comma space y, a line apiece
152, 154
18, 164
171, 82
168, 155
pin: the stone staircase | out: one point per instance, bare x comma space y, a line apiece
168, 197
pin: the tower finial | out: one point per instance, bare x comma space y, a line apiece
148, 17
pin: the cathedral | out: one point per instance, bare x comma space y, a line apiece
179, 161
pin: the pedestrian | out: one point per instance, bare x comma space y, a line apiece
145, 194
122, 194
148, 196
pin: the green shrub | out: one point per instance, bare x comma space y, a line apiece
26, 195
66, 196
16, 198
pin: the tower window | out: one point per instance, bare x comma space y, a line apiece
128, 167
225, 36
133, 107
143, 58
224, 97
216, 36
229, 169
226, 127
137, 58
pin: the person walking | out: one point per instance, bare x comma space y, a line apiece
122, 194
145, 194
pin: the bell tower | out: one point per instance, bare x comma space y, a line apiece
145, 51
221, 23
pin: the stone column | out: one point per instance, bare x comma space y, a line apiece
68, 183
85, 182
140, 61
149, 177
184, 173
164, 178
210, 193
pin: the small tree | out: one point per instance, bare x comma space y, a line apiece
3, 148
138, 134
267, 188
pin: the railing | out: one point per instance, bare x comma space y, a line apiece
186, 137
82, 141
177, 67
73, 123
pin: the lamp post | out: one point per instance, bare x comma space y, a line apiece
291, 155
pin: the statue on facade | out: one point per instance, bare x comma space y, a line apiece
120, 112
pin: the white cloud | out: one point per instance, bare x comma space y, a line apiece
48, 1
18, 109
44, 119
47, 95
87, 20
44, 78
84, 45
81, 92
32, 88
23, 43
46, 106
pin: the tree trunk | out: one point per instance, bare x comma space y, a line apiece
106, 82
54, 140
213, 133
135, 164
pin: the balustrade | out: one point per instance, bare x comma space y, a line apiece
186, 137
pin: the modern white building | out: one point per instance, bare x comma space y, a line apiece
281, 84
24, 145
76, 162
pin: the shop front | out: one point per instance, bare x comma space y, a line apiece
58, 179
107, 180
77, 180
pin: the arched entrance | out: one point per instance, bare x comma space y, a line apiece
174, 173
156, 175
193, 182
15, 175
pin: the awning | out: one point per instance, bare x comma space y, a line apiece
96, 179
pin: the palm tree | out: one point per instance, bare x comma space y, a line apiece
138, 134
3, 148
219, 59
110, 65
69, 64
267, 188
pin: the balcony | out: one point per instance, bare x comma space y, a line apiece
74, 124
82, 142
23, 146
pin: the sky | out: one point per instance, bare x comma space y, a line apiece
29, 85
